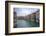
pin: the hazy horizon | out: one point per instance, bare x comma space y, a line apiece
25, 11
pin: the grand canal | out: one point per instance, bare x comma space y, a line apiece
25, 23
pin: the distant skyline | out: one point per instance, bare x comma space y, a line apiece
25, 11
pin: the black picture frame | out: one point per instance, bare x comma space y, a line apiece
6, 17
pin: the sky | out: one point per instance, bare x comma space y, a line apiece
25, 11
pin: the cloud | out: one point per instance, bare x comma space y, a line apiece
25, 11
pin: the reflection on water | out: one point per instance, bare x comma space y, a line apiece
25, 23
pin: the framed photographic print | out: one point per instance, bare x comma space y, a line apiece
24, 17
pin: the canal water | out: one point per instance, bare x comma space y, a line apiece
25, 23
